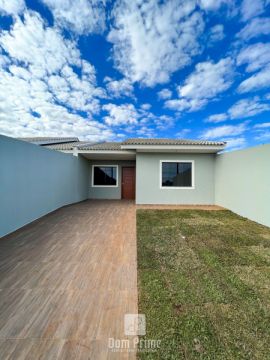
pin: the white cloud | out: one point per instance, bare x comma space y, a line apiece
120, 114
224, 131
208, 80
16, 118
255, 28
20, 72
182, 133
146, 106
216, 33
4, 60
205, 83
40, 93
119, 88
235, 143
251, 8
80, 16
47, 56
42, 49
138, 121
151, 40
257, 81
255, 56
262, 125
185, 104
213, 4
216, 118
163, 122
78, 93
11, 7
247, 108
241, 109
264, 136
144, 132
164, 94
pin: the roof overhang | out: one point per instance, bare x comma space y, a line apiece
175, 148
104, 154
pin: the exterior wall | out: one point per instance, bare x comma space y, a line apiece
148, 189
243, 182
35, 181
113, 193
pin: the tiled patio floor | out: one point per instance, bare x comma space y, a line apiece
66, 282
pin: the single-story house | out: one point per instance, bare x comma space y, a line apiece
40, 175
150, 171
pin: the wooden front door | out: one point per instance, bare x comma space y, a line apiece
128, 183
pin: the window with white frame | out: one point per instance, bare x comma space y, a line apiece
105, 175
177, 174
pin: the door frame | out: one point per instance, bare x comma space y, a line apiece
122, 183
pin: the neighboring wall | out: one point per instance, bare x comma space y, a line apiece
35, 181
148, 189
243, 182
112, 193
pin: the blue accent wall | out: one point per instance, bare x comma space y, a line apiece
35, 181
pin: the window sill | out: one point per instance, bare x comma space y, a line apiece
177, 187
104, 186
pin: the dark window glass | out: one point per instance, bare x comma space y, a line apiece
176, 174
105, 175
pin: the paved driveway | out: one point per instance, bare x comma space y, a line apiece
66, 282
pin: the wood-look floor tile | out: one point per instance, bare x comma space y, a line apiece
66, 282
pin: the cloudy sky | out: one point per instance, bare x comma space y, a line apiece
108, 70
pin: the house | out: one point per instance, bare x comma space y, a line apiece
150, 171
34, 180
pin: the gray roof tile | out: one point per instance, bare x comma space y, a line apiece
86, 145
42, 140
140, 141
66, 144
102, 146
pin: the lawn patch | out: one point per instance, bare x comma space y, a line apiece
203, 279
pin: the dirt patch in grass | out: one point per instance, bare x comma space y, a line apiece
204, 284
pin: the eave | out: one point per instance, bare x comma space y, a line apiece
104, 154
175, 148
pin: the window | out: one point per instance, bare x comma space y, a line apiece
104, 175
177, 174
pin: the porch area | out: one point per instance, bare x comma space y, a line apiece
66, 282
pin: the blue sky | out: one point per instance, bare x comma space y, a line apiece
108, 70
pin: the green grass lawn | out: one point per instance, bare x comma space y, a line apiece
204, 284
